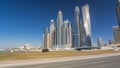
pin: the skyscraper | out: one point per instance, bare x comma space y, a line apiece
42, 43
67, 34
70, 34
59, 29
118, 12
55, 38
48, 41
82, 34
77, 27
116, 34
62, 36
87, 25
52, 32
46, 38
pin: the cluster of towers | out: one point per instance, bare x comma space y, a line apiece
82, 30
66, 36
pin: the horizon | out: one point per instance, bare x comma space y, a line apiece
24, 21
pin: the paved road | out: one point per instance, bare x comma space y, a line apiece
106, 62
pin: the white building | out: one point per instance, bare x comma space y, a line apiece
52, 34
87, 25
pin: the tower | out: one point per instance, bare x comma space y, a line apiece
82, 34
87, 25
55, 38
67, 34
116, 34
59, 29
77, 27
118, 12
70, 34
52, 34
46, 38
48, 41
43, 37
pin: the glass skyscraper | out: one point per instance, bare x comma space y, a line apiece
87, 25
77, 27
62, 36
118, 12
116, 34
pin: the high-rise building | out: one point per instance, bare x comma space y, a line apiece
59, 29
118, 12
77, 27
116, 34
82, 34
99, 40
87, 25
52, 32
62, 36
67, 34
42, 43
46, 38
55, 38
48, 41
70, 35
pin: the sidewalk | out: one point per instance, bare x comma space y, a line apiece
4, 64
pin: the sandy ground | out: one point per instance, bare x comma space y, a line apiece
4, 64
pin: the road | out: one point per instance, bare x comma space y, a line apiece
106, 62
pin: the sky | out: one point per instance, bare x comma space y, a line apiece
24, 21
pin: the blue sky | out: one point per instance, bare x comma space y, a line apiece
23, 21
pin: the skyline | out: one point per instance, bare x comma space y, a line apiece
19, 25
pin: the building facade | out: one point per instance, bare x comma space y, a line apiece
48, 41
42, 41
52, 34
67, 34
65, 27
116, 34
70, 35
87, 25
59, 29
46, 38
77, 27
118, 12
82, 34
